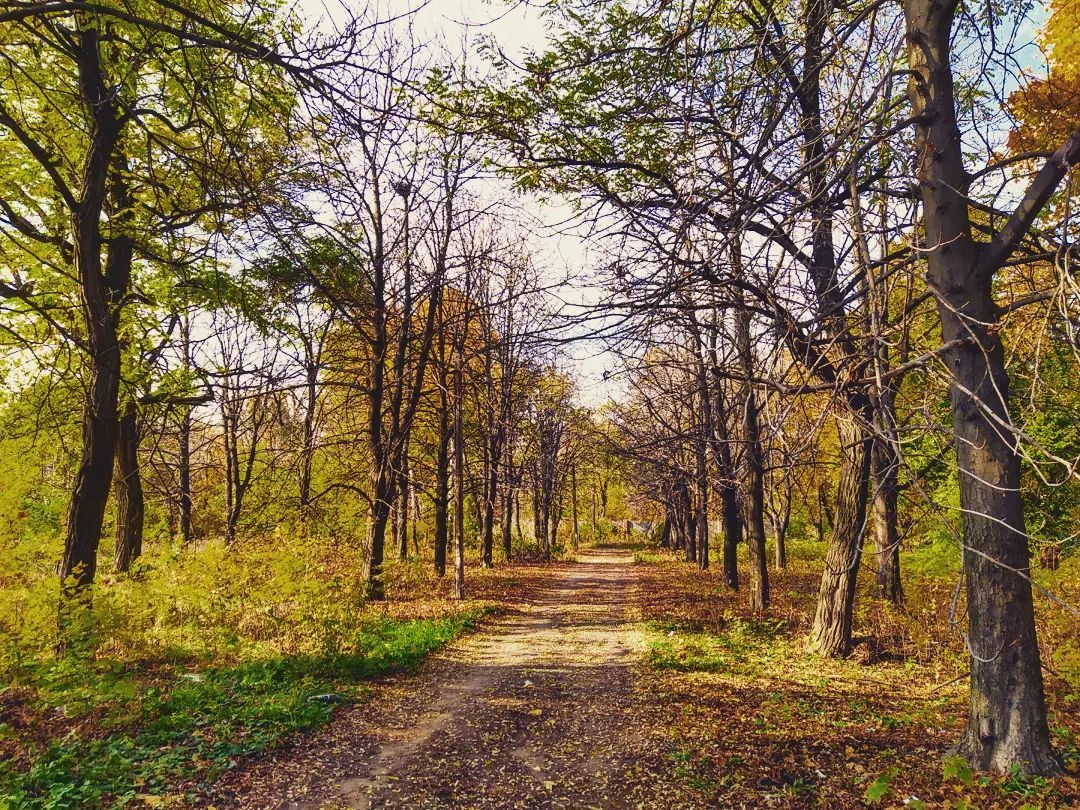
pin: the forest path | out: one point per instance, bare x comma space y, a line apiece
537, 710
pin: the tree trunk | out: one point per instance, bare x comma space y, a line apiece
783, 520
755, 471
885, 469
538, 534
129, 493
442, 492
100, 297
831, 632
378, 518
729, 495
689, 526
517, 515
507, 524
573, 501
1007, 723
307, 455
701, 516
403, 505
459, 478
490, 494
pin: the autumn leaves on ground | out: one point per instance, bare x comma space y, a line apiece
618, 677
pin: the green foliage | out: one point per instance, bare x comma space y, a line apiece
881, 787
743, 647
197, 724
957, 768
277, 595
1018, 783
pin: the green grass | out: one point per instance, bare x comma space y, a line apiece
744, 647
197, 725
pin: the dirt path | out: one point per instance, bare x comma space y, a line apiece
539, 710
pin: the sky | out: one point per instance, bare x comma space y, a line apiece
563, 250
559, 250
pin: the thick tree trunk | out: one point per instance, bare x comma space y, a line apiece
382, 495
1007, 723
100, 296
129, 493
831, 632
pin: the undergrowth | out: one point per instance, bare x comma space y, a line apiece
187, 727
757, 719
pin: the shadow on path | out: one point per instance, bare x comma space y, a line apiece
538, 710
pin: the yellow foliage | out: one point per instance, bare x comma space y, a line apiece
272, 596
1047, 110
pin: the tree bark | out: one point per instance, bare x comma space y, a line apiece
573, 502
507, 524
307, 454
442, 490
491, 484
100, 297
403, 504
885, 470
184, 451
755, 471
729, 495
129, 492
459, 476
831, 632
1007, 723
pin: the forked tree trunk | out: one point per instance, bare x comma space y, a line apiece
100, 295
1007, 723
831, 632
